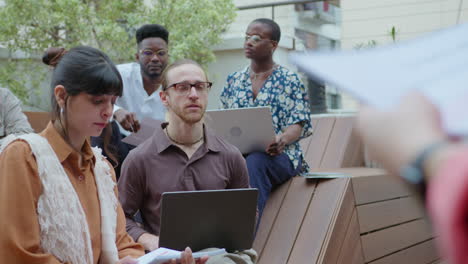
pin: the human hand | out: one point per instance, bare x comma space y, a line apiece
127, 260
396, 137
150, 242
187, 258
276, 147
127, 120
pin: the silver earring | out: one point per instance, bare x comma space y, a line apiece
61, 110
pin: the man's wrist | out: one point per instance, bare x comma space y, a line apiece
148, 240
416, 172
142, 238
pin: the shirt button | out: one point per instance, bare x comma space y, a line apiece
81, 177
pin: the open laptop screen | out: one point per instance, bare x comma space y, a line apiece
207, 219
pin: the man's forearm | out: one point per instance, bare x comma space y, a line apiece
149, 241
134, 229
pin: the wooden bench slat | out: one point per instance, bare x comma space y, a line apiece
305, 143
388, 213
288, 221
338, 142
393, 239
423, 253
339, 226
38, 120
270, 213
369, 189
440, 261
351, 250
319, 141
354, 154
327, 200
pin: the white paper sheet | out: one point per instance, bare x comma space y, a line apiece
163, 255
435, 64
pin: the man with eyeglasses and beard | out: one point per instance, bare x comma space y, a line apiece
265, 83
182, 154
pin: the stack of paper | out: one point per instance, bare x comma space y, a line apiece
163, 255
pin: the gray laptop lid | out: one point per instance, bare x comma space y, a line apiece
207, 219
249, 129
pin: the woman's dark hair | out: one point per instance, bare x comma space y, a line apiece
83, 70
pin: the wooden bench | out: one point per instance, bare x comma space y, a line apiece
38, 120
369, 217
334, 143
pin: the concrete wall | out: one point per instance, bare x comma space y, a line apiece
284, 16
367, 20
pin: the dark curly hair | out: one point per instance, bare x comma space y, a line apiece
151, 31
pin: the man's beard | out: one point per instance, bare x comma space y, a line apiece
189, 119
152, 74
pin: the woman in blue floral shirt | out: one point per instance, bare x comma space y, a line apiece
265, 83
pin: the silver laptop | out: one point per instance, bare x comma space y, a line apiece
249, 129
207, 219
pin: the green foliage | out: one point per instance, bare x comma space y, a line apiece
392, 33
194, 25
369, 44
372, 43
32, 26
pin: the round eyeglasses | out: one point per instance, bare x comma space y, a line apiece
183, 88
255, 39
150, 53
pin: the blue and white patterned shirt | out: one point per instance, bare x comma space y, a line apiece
286, 96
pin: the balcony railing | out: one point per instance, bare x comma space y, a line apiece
282, 3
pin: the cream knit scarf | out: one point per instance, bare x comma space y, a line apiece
64, 229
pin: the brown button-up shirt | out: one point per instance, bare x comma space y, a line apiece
21, 187
157, 166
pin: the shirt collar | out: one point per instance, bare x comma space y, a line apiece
211, 141
61, 148
162, 142
246, 70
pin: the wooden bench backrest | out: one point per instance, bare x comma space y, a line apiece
307, 221
334, 143
392, 224
367, 218
38, 120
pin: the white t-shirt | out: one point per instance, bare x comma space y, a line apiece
135, 98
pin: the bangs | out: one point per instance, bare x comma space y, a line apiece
103, 79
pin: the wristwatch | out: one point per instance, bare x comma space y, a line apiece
414, 174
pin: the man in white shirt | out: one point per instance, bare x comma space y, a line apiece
141, 79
